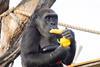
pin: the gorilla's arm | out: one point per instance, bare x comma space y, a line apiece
71, 52
30, 49
70, 55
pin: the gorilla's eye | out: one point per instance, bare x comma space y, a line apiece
51, 19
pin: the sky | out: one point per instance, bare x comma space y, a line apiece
85, 13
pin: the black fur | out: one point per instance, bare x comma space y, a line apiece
36, 38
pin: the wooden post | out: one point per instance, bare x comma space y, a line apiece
13, 23
12, 26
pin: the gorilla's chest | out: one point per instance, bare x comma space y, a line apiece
48, 44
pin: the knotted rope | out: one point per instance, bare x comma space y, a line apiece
77, 27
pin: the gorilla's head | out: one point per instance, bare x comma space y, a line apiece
46, 19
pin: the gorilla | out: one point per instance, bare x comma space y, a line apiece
39, 48
4, 5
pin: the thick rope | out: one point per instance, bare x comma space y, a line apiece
80, 28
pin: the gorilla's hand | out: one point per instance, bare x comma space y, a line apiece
69, 34
66, 54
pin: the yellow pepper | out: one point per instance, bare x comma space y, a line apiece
55, 31
64, 42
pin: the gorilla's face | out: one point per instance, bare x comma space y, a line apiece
51, 20
46, 22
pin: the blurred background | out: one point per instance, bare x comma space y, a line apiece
85, 13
